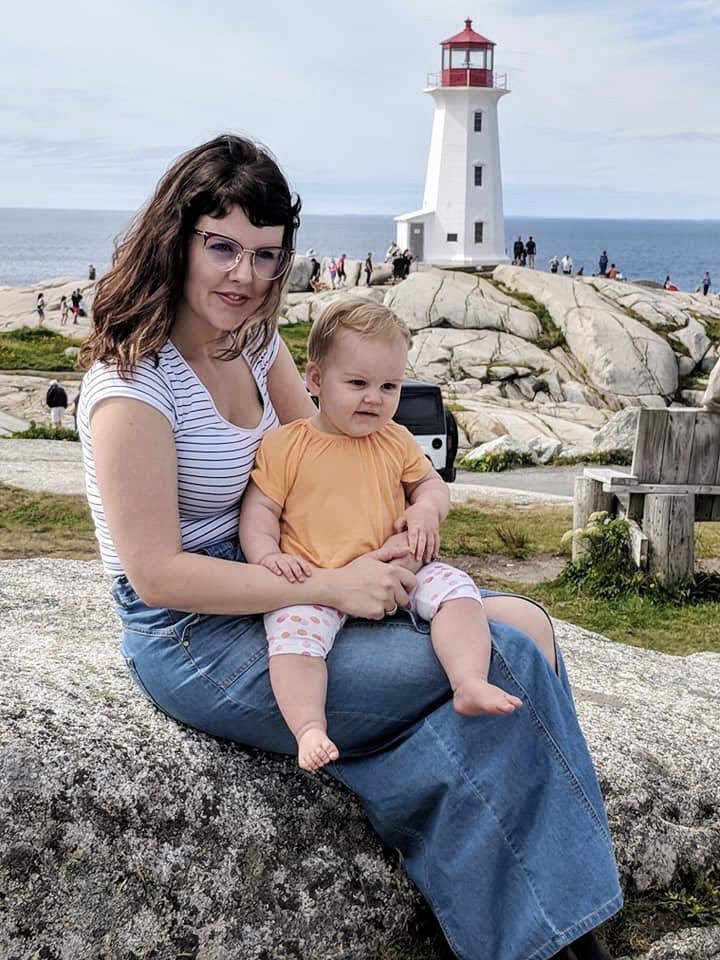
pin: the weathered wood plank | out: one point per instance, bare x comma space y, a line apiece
649, 443
666, 489
677, 449
668, 525
589, 498
705, 453
605, 474
639, 545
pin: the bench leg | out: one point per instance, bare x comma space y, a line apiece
668, 523
589, 498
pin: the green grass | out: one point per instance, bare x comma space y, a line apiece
295, 336
474, 532
42, 524
36, 348
552, 335
41, 431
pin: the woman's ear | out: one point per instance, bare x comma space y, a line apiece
313, 377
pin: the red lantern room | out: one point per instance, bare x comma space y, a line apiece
467, 59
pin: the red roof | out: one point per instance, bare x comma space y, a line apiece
467, 38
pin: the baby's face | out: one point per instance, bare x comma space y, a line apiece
358, 383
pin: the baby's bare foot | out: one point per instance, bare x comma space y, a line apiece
475, 696
315, 749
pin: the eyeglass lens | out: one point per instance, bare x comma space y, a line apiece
268, 262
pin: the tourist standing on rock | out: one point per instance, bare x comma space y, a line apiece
706, 282
40, 307
603, 264
368, 269
499, 820
332, 272
407, 263
297, 515
341, 275
518, 250
398, 267
567, 265
554, 264
57, 401
91, 272
391, 251
63, 310
613, 272
530, 251
314, 274
75, 298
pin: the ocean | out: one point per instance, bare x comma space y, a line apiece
36, 245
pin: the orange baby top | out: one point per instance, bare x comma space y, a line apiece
339, 495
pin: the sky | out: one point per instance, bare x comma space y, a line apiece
613, 110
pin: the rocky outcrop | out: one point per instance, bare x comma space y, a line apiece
123, 834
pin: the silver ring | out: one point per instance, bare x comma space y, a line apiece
391, 613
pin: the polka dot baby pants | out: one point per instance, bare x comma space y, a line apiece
310, 630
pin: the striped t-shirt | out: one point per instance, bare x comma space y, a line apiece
214, 457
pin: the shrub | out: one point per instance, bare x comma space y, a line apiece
497, 462
40, 431
514, 539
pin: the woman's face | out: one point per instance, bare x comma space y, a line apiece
223, 300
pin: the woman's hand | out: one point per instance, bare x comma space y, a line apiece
371, 586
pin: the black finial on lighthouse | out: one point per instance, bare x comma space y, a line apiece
468, 24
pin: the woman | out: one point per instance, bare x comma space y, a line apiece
500, 821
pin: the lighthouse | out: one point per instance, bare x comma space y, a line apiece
461, 220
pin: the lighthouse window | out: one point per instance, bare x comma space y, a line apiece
478, 176
478, 122
452, 238
479, 232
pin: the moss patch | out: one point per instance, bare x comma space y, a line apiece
36, 348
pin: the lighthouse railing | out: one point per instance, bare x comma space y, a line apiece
462, 77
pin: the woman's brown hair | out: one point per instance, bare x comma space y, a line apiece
137, 298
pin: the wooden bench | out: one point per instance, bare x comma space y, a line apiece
674, 481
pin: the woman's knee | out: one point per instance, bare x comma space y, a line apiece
527, 616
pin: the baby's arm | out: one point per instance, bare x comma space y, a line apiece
429, 500
259, 532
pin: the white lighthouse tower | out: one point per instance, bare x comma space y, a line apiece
461, 220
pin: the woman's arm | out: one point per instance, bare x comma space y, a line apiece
287, 389
136, 470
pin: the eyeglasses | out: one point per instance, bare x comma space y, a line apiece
225, 254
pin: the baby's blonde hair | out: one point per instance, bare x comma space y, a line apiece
369, 319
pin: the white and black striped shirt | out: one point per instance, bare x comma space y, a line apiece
214, 457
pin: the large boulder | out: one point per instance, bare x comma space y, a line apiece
621, 354
434, 298
125, 835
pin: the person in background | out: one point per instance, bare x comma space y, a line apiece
314, 273
73, 408
518, 251
603, 264
567, 265
75, 298
40, 307
554, 264
613, 272
57, 401
341, 275
332, 272
407, 261
669, 285
398, 267
91, 272
706, 282
391, 251
530, 251
368, 269
63, 310
580, 272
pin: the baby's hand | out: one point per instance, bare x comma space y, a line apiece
423, 529
293, 568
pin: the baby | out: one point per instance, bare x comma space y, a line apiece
329, 489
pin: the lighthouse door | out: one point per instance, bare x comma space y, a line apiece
417, 235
